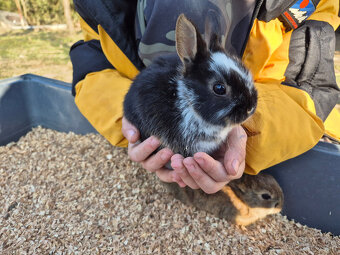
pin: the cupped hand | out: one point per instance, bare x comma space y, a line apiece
142, 153
202, 171
211, 173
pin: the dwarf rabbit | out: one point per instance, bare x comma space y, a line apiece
192, 99
242, 201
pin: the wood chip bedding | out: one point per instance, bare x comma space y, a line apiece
71, 194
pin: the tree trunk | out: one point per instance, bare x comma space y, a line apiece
17, 3
68, 17
23, 4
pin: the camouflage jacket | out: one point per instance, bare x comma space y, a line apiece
288, 45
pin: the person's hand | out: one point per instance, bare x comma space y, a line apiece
211, 173
141, 152
201, 171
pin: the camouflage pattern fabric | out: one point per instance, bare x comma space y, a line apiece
156, 20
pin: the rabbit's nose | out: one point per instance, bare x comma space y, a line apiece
276, 204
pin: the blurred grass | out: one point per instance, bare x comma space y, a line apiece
43, 53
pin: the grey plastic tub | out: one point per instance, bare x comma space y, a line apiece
311, 182
29, 100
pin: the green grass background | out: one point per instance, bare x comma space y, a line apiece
44, 53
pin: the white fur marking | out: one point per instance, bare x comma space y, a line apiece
220, 60
221, 113
194, 124
214, 144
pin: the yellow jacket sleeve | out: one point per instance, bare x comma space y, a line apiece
285, 123
99, 96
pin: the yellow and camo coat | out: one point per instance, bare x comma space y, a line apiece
289, 53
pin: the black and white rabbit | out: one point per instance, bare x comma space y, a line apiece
192, 99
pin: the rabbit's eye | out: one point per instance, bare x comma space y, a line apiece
266, 196
219, 89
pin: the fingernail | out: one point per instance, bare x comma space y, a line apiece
200, 161
175, 164
130, 134
154, 142
188, 165
235, 166
182, 185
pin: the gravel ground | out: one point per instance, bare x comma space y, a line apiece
70, 194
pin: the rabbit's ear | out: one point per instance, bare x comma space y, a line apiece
189, 41
212, 31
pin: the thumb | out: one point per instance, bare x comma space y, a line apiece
234, 158
130, 132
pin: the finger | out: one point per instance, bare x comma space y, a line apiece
140, 152
214, 168
236, 153
179, 168
181, 175
158, 160
167, 175
179, 181
239, 172
206, 183
129, 131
